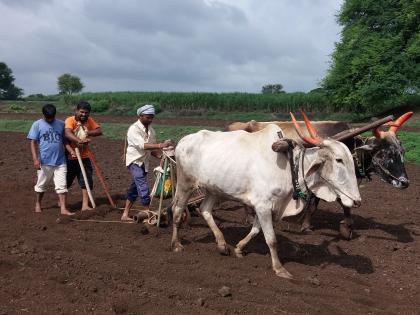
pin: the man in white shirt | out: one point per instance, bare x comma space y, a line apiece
141, 143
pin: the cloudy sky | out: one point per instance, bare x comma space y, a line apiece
168, 45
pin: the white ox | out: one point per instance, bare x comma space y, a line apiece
242, 166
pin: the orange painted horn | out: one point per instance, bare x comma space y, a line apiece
309, 126
314, 141
398, 123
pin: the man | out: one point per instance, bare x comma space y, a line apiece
78, 130
141, 143
49, 159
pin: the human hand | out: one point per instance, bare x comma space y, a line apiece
37, 164
73, 154
167, 143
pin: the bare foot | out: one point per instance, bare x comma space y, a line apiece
66, 212
87, 209
38, 208
126, 218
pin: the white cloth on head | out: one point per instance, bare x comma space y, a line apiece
146, 110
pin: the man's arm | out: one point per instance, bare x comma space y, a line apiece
37, 163
153, 146
95, 132
69, 148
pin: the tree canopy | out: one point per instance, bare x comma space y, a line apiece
8, 91
69, 84
272, 89
377, 61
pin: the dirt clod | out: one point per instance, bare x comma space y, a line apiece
225, 291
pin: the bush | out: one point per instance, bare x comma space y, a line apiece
99, 106
17, 108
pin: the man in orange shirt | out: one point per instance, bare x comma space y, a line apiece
78, 130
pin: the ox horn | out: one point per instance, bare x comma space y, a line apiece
314, 139
309, 126
374, 125
394, 125
398, 123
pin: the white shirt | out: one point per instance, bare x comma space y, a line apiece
136, 138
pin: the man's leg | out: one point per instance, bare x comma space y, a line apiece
60, 175
131, 198
125, 216
38, 201
142, 186
89, 172
85, 200
44, 176
63, 207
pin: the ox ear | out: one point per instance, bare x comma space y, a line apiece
280, 146
314, 167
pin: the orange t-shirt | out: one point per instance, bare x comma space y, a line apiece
72, 123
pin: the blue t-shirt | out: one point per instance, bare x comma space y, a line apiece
50, 141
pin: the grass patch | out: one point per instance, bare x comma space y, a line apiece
411, 143
412, 123
115, 131
234, 116
163, 132
15, 125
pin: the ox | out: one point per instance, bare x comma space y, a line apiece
381, 154
243, 166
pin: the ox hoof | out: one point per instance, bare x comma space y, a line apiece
223, 250
177, 248
346, 231
283, 273
239, 253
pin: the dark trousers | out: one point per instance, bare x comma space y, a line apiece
138, 186
73, 171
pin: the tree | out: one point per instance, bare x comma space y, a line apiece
272, 89
69, 84
8, 91
377, 61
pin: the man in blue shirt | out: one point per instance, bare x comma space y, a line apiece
49, 159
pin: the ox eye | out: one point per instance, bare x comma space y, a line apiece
339, 161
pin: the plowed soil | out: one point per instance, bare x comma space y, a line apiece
50, 266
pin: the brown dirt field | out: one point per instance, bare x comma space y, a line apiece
106, 268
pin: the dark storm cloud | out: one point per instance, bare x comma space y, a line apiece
187, 45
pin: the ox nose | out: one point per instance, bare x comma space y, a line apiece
404, 182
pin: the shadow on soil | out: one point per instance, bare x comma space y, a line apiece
327, 220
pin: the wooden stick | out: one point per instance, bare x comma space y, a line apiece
101, 179
352, 133
82, 168
171, 170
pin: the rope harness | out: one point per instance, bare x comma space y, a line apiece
363, 172
294, 168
